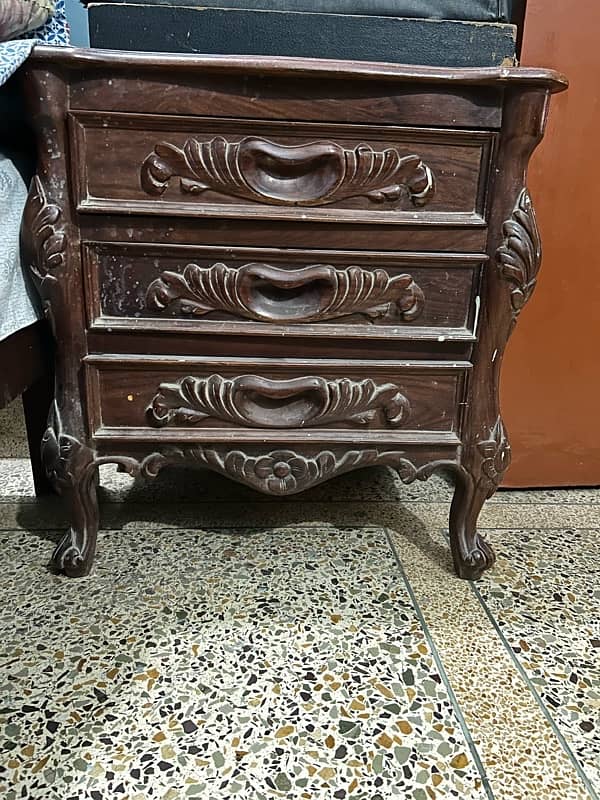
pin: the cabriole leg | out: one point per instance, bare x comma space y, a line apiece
73, 470
75, 554
471, 554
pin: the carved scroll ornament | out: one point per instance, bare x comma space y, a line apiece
285, 472
70, 466
41, 224
520, 255
44, 246
255, 401
496, 456
262, 171
311, 294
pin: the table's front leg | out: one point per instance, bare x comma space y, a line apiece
471, 553
51, 248
73, 470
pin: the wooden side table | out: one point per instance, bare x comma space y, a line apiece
280, 270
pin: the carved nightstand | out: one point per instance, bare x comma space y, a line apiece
280, 270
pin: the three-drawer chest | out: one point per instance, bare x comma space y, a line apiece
280, 269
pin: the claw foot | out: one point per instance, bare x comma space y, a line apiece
69, 558
475, 562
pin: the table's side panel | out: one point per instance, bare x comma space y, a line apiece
514, 251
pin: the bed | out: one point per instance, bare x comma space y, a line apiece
26, 356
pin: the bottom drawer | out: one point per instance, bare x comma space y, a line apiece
212, 399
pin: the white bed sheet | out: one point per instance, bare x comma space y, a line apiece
19, 305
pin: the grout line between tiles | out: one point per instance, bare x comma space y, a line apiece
438, 661
501, 712
523, 673
564, 744
144, 524
28, 500
537, 528
32, 500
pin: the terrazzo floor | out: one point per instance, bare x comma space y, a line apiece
230, 645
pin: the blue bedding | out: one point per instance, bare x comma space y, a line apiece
18, 304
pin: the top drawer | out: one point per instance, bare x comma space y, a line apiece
144, 164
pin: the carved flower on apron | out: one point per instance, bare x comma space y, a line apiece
282, 471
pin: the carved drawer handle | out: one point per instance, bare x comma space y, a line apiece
255, 401
269, 294
311, 174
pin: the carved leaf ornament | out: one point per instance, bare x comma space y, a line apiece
262, 171
262, 292
496, 456
284, 472
255, 401
520, 255
42, 219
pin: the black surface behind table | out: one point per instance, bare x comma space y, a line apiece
474, 10
185, 29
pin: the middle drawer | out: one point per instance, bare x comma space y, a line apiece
235, 290
157, 396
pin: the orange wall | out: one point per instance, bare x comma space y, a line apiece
551, 376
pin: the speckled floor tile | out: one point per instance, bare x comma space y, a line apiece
544, 596
523, 757
13, 437
540, 497
234, 513
497, 516
378, 484
271, 664
16, 480
159, 588
49, 512
192, 486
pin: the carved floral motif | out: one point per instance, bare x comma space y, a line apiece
327, 292
496, 456
45, 244
63, 455
284, 472
41, 221
520, 255
299, 402
315, 174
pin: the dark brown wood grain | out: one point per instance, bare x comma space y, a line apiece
269, 290
280, 270
83, 62
25, 357
275, 96
292, 395
194, 166
282, 344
